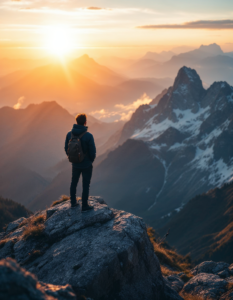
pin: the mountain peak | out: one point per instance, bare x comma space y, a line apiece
85, 59
214, 49
187, 76
187, 91
85, 56
45, 105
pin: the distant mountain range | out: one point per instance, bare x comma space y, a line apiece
160, 57
80, 85
9, 65
204, 227
85, 85
169, 152
209, 61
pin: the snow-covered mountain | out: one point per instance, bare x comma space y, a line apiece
190, 132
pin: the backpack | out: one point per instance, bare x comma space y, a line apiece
75, 151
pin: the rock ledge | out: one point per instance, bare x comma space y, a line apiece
102, 254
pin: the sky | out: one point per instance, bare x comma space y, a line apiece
127, 28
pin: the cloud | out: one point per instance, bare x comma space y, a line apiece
202, 24
95, 8
19, 103
122, 112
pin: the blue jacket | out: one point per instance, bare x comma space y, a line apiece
88, 146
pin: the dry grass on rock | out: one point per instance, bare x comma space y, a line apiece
63, 198
171, 262
230, 286
24, 222
34, 227
190, 297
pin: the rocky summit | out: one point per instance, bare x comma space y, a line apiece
102, 254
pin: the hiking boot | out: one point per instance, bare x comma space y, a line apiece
74, 205
87, 208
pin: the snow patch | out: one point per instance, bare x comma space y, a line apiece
203, 157
153, 105
190, 73
187, 122
158, 147
182, 89
176, 146
230, 98
221, 173
167, 215
164, 182
179, 208
148, 189
215, 133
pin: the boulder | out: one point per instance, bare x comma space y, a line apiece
175, 282
14, 225
224, 274
18, 284
206, 286
227, 296
210, 267
170, 293
102, 254
231, 269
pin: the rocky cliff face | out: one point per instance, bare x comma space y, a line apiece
102, 254
190, 133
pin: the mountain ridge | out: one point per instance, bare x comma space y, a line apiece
206, 223
209, 60
199, 122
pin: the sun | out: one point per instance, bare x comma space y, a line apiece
58, 40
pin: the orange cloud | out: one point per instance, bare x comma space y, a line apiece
122, 112
19, 103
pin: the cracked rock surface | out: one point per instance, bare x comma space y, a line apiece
18, 284
102, 254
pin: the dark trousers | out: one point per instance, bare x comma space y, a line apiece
86, 174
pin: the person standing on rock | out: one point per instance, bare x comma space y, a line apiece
81, 151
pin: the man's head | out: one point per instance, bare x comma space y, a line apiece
81, 119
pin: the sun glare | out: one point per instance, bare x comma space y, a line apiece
58, 40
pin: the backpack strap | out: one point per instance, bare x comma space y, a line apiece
81, 135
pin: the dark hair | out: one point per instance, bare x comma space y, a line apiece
81, 119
